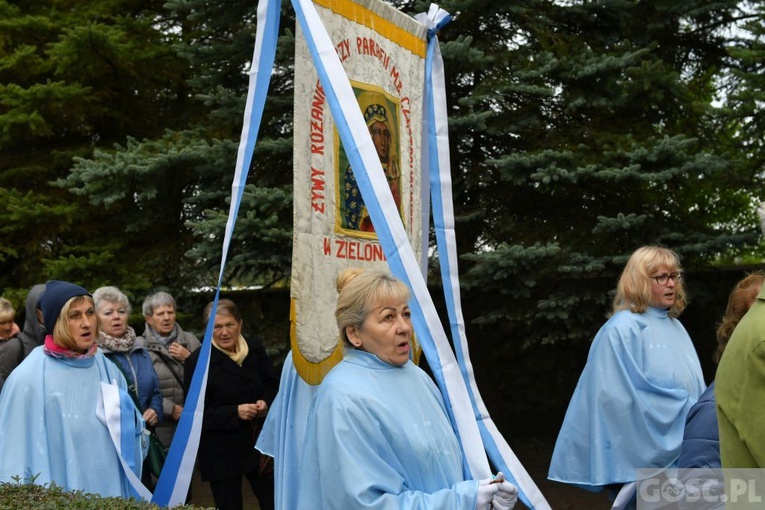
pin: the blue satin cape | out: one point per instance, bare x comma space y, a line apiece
283, 433
378, 437
49, 430
628, 410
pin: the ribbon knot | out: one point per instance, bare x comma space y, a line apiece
435, 19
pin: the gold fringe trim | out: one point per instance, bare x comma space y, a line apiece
310, 372
376, 21
416, 350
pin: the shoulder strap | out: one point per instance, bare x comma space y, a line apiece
131, 387
169, 364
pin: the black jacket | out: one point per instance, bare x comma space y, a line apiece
227, 444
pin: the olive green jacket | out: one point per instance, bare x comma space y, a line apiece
740, 392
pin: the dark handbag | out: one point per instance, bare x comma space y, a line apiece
266, 468
155, 459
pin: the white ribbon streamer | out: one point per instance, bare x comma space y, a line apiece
173, 484
437, 158
108, 411
382, 209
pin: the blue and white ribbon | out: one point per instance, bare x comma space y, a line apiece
390, 231
173, 484
176, 476
110, 410
437, 159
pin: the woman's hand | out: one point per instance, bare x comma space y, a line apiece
487, 488
177, 410
150, 417
247, 412
179, 352
262, 408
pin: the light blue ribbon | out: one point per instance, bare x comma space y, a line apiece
437, 161
390, 231
176, 476
173, 484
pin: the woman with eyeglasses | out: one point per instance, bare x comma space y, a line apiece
641, 377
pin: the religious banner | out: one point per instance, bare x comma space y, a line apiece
336, 228
382, 51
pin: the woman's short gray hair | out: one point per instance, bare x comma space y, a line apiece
152, 301
110, 295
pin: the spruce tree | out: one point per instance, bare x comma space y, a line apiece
175, 187
73, 80
581, 131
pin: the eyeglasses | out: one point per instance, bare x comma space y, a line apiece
664, 278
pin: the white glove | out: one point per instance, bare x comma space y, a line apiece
506, 497
486, 492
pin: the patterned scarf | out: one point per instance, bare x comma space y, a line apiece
117, 344
54, 350
167, 340
242, 349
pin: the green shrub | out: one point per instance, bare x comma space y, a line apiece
28, 495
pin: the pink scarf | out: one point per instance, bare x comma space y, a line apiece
54, 350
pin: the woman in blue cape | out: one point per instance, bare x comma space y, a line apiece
641, 378
65, 417
378, 435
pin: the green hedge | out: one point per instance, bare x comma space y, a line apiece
27, 495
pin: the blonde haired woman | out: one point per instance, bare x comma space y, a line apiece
56, 404
378, 434
652, 277
641, 377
